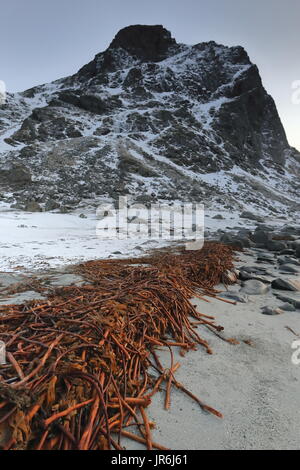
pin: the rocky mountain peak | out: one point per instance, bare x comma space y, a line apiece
153, 119
144, 41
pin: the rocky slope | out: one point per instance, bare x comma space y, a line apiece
155, 119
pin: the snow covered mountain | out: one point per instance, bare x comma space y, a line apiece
151, 118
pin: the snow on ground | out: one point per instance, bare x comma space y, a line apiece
37, 241
232, 222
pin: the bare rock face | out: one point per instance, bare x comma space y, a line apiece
150, 43
155, 119
15, 174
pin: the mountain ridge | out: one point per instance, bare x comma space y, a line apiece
151, 118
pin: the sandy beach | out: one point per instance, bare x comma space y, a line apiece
255, 387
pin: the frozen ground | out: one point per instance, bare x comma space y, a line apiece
35, 241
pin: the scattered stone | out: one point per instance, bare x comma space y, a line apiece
289, 268
288, 251
254, 287
237, 242
291, 229
286, 284
284, 260
245, 241
250, 216
288, 307
218, 217
242, 298
261, 237
271, 311
244, 276
244, 233
295, 301
83, 216
255, 270
274, 245
265, 227
265, 258
226, 238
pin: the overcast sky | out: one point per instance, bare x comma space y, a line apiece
42, 40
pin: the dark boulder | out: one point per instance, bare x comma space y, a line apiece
248, 215
271, 311
261, 237
286, 284
145, 42
254, 287
275, 245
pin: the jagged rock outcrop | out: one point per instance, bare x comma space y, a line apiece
155, 119
150, 43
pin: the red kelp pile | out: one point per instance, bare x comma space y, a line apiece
82, 367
